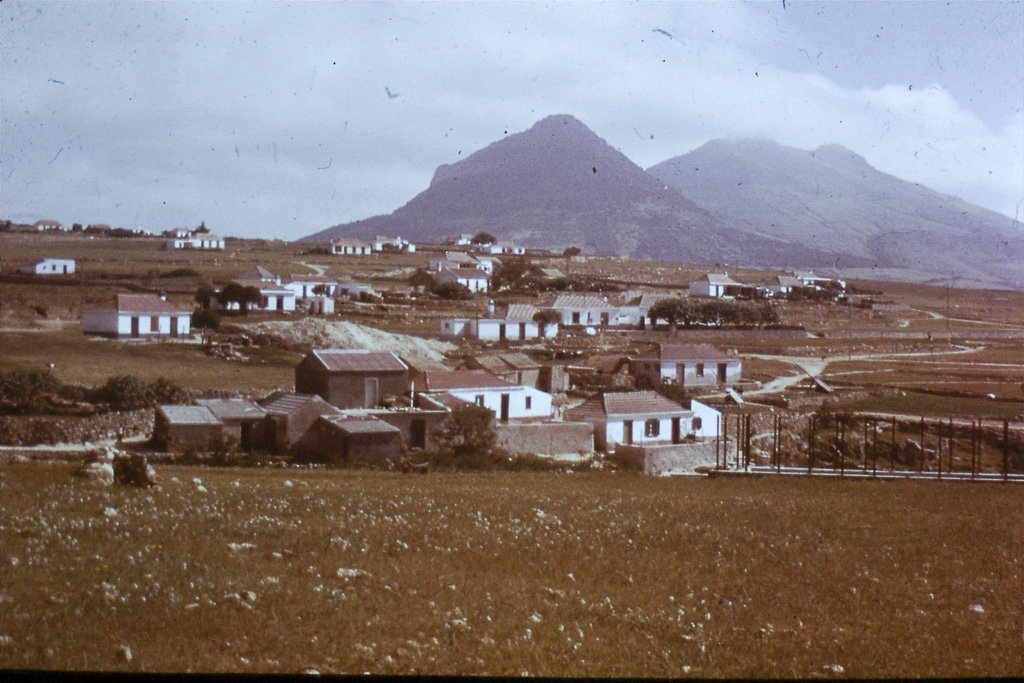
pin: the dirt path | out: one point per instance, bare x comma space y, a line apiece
317, 270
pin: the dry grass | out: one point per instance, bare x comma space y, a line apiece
576, 575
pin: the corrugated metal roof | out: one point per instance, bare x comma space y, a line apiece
352, 424
719, 279
359, 360
191, 415
581, 301
283, 403
463, 379
519, 312
233, 408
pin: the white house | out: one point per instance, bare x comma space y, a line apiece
782, 285
49, 225
303, 285
380, 243
50, 266
138, 315
458, 259
809, 279
194, 240
354, 290
500, 248
586, 309
473, 278
687, 365
349, 246
273, 297
260, 273
715, 285
506, 400
643, 418
513, 322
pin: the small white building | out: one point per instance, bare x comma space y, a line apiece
49, 225
50, 266
303, 285
644, 418
506, 400
688, 365
809, 279
273, 297
138, 316
381, 243
782, 285
715, 286
511, 323
583, 309
349, 246
474, 279
194, 240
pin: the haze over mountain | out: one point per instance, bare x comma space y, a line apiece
833, 198
749, 203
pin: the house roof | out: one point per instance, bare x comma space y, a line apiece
265, 287
191, 415
463, 379
145, 304
684, 352
284, 403
258, 273
468, 273
581, 301
787, 281
719, 279
318, 279
552, 273
518, 312
648, 299
359, 360
349, 241
459, 257
627, 403
233, 408
55, 224
501, 363
360, 424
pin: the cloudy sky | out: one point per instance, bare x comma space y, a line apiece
280, 119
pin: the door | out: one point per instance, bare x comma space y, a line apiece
501, 331
721, 373
174, 326
604, 320
504, 407
522, 331
135, 326
370, 389
676, 436
681, 374
418, 433
245, 442
627, 432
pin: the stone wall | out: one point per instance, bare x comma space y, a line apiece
657, 459
546, 438
23, 430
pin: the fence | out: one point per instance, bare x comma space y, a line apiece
871, 445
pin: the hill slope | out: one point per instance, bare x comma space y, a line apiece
558, 184
832, 198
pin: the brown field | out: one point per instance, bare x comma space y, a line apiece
507, 574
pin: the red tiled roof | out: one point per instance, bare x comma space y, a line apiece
463, 379
359, 360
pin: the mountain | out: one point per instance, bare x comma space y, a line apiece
832, 198
557, 185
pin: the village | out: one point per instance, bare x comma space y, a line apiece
574, 359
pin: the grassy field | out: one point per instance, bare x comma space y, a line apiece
79, 359
562, 575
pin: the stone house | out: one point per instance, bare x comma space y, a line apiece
243, 420
290, 420
182, 427
352, 378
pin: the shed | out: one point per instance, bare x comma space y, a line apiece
352, 440
290, 419
180, 427
352, 378
243, 420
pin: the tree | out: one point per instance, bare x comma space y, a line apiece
674, 310
322, 290
546, 317
467, 438
233, 292
202, 228
452, 291
204, 296
205, 319
484, 238
511, 272
571, 251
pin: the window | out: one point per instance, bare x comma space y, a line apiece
529, 402
700, 369
652, 427
480, 399
697, 424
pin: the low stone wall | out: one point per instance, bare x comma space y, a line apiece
23, 430
547, 438
657, 459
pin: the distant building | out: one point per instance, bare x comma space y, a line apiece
715, 286
472, 278
511, 323
515, 368
349, 246
352, 378
182, 427
48, 225
194, 240
584, 309
381, 243
643, 418
138, 316
506, 400
688, 365
50, 266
